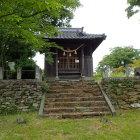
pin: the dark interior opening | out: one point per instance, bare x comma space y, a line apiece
28, 73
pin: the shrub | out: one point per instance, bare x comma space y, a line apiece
45, 87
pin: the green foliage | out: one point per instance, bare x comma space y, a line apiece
133, 8
128, 83
31, 107
118, 74
21, 20
45, 87
114, 84
4, 110
119, 56
97, 76
19, 52
136, 63
113, 87
12, 74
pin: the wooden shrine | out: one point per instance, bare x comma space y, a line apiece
75, 59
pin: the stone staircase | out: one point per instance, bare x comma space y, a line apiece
74, 99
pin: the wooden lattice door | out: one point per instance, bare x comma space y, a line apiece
69, 62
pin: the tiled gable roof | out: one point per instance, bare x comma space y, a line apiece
75, 33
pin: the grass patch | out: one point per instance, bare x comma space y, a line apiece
122, 127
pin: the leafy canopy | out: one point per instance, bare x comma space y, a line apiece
21, 20
133, 8
119, 56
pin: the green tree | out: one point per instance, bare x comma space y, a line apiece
22, 20
136, 63
20, 53
119, 56
131, 8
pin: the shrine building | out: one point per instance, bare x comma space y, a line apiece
74, 60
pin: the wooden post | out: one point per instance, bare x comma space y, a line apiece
82, 64
56, 64
1, 73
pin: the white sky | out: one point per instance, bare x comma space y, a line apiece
109, 17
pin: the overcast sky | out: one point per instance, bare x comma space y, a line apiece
109, 17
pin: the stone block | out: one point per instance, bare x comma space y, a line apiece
18, 93
21, 120
35, 105
19, 73
23, 107
132, 93
7, 103
135, 105
25, 110
137, 86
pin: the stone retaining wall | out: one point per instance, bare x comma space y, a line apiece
19, 95
123, 92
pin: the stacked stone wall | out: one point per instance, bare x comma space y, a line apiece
123, 92
19, 96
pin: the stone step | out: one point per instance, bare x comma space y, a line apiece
75, 109
64, 85
76, 115
77, 83
68, 99
71, 90
75, 104
64, 95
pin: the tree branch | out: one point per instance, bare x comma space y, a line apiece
27, 16
2, 16
34, 14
